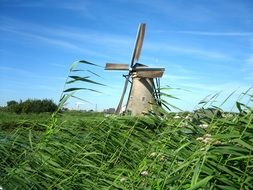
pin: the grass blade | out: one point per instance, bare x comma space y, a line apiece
75, 89
201, 183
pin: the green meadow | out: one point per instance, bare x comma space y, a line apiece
76, 150
207, 149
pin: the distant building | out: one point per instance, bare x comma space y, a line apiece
109, 110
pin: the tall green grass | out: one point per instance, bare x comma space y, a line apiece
131, 153
148, 152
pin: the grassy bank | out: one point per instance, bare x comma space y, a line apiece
89, 151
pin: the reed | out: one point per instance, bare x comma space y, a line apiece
149, 152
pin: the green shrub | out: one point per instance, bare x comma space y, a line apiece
14, 106
31, 106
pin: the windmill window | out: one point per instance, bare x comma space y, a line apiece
143, 98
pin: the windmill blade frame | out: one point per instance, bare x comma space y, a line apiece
123, 95
149, 73
138, 44
158, 92
116, 66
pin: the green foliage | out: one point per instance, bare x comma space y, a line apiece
80, 151
31, 106
74, 150
14, 106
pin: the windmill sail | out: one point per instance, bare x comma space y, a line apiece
150, 73
116, 66
138, 44
122, 96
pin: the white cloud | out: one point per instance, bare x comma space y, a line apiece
179, 77
74, 6
207, 33
75, 38
193, 92
58, 43
58, 65
78, 40
13, 70
28, 74
247, 68
249, 63
22, 4
215, 87
155, 46
249, 77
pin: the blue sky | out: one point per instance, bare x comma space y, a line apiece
205, 46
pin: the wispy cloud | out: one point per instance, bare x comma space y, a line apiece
19, 71
27, 74
85, 41
248, 64
199, 90
90, 36
249, 77
43, 87
215, 87
78, 5
74, 38
56, 42
208, 33
247, 68
177, 10
22, 4
188, 50
58, 65
179, 77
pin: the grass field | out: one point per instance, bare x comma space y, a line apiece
75, 150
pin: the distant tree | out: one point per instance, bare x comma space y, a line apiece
64, 109
31, 106
11, 103
13, 106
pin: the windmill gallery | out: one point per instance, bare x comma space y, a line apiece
145, 81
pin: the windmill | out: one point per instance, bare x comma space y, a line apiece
144, 80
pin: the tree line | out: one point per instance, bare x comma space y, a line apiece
30, 106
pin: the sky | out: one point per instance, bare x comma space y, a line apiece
206, 48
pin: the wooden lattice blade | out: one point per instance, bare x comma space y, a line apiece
122, 96
149, 72
114, 66
138, 44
